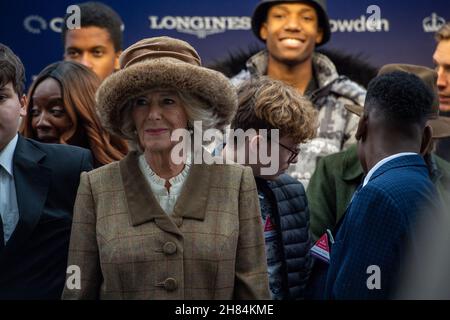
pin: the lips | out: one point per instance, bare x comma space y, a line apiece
47, 138
292, 42
155, 132
444, 99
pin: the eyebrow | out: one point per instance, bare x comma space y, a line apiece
303, 10
89, 49
5, 89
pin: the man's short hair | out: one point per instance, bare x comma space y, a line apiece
271, 104
11, 70
400, 97
96, 14
443, 33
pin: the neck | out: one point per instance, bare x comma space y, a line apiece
161, 163
383, 150
297, 76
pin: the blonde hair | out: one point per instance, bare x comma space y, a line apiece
443, 33
271, 104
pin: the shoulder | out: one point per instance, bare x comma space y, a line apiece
105, 173
64, 152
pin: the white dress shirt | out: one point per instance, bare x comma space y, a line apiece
166, 199
384, 161
9, 210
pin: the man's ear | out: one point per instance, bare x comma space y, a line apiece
361, 132
263, 31
427, 140
319, 36
253, 144
116, 60
23, 105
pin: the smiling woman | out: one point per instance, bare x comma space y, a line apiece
159, 229
61, 109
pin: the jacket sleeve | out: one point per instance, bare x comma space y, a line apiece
251, 277
84, 279
321, 196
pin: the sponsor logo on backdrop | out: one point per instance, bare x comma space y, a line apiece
36, 24
198, 25
370, 23
433, 23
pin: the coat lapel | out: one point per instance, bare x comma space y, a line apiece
32, 181
143, 206
194, 195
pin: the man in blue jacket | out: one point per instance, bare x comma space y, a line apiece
379, 224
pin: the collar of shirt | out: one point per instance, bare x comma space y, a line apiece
384, 161
7, 154
158, 184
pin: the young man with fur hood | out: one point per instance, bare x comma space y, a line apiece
292, 30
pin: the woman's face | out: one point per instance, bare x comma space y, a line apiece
49, 119
156, 115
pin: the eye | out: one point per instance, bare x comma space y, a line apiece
278, 16
3, 97
141, 102
72, 53
168, 101
308, 18
97, 53
34, 112
57, 111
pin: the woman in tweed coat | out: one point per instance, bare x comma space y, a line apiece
148, 227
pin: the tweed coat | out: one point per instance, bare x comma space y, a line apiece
127, 247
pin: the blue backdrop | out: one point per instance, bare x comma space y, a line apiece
214, 28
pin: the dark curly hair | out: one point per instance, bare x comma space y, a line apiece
96, 14
400, 97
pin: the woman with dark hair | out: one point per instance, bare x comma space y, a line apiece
61, 109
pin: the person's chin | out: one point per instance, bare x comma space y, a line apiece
48, 139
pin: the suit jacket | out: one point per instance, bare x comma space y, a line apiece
378, 229
33, 261
127, 247
336, 178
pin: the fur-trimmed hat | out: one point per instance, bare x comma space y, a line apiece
440, 125
163, 62
260, 15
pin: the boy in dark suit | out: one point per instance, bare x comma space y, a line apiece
38, 185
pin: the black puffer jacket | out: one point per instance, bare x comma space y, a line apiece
288, 198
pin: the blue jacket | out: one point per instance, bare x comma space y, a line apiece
378, 228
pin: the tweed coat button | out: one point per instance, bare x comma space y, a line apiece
170, 284
169, 248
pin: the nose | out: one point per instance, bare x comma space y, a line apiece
292, 24
43, 123
442, 79
154, 112
86, 61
